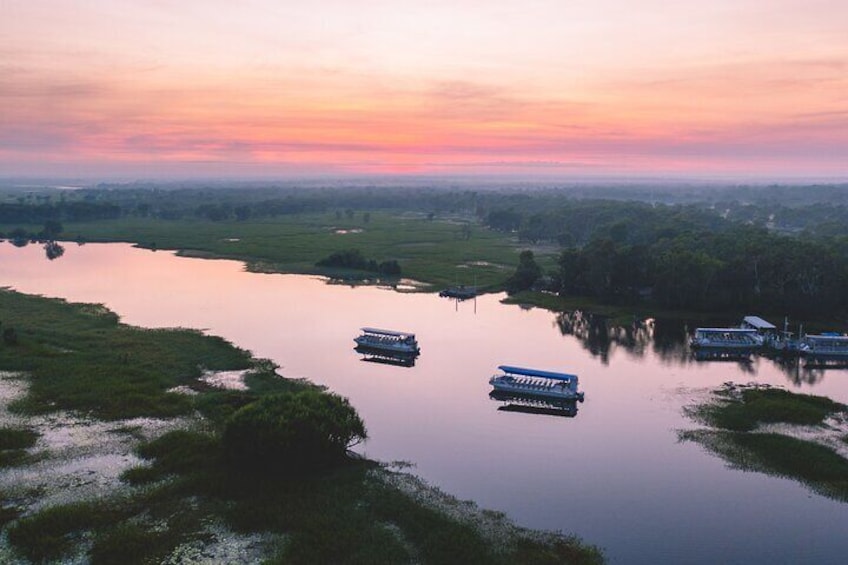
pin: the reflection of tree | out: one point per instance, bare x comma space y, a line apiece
53, 250
745, 366
590, 329
19, 237
600, 338
669, 340
811, 375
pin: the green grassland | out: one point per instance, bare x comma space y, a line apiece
79, 357
733, 435
436, 252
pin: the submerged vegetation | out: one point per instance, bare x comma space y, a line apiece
257, 473
742, 421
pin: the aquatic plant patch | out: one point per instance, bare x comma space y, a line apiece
744, 408
805, 446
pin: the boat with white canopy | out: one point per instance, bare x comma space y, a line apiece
536, 383
388, 341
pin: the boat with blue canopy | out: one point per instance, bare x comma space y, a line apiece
536, 383
825, 348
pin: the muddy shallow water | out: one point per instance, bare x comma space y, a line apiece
614, 473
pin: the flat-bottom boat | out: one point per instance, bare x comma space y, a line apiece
535, 383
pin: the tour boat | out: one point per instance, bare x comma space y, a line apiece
535, 383
387, 341
730, 339
825, 347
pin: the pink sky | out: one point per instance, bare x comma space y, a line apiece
568, 87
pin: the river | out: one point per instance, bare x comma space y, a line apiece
614, 474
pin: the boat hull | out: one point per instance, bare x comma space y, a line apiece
389, 348
534, 405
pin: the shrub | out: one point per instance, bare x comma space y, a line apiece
292, 432
10, 336
17, 438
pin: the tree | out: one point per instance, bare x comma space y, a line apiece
527, 273
293, 432
10, 336
51, 230
390, 268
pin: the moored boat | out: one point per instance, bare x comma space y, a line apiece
387, 341
731, 339
535, 383
825, 348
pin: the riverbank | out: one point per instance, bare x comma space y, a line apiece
434, 253
438, 252
126, 460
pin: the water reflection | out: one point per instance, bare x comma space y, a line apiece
633, 489
534, 405
667, 338
797, 373
378, 356
52, 249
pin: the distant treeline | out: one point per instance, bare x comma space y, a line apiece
691, 257
63, 211
535, 214
775, 249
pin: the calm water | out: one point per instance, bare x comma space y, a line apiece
615, 474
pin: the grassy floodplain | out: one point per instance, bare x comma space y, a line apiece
435, 252
182, 497
779, 433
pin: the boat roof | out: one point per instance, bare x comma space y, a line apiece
759, 323
827, 337
536, 373
387, 332
725, 330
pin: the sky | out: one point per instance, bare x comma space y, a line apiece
548, 88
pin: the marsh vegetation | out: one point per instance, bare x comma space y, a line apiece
776, 432
672, 248
259, 472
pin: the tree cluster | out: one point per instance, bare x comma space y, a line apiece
354, 260
292, 432
526, 275
738, 268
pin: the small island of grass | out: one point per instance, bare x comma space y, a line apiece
776, 432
